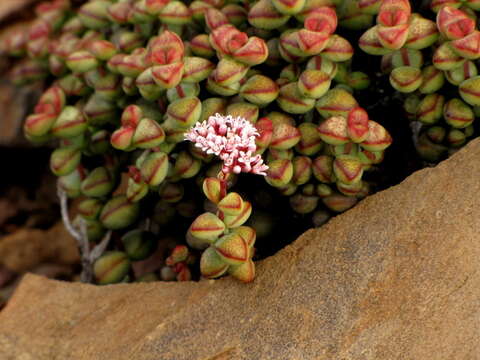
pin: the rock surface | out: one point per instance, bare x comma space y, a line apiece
397, 277
27, 248
10, 7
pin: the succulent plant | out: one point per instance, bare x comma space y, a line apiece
268, 87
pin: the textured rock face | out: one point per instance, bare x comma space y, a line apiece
27, 248
397, 277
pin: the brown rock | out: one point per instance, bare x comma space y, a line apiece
397, 277
11, 7
26, 248
15, 104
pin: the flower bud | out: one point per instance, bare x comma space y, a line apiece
196, 69
99, 111
469, 91
288, 7
167, 76
393, 37
291, 100
339, 203
370, 157
357, 125
235, 13
64, 160
232, 249
39, 124
429, 110
310, 142
185, 112
274, 154
445, 58
148, 87
139, 13
453, 23
119, 213
284, 136
183, 90
336, 102
338, 49
407, 57
179, 254
458, 114
394, 12
211, 264
334, 130
207, 227
229, 72
353, 189
148, 134
259, 90
358, 80
248, 234
378, 138
323, 64
280, 172
456, 138
422, 33
231, 204
113, 266
348, 169
406, 79
139, 244
462, 73
264, 15
55, 97
244, 272
467, 47
136, 190
172, 193
108, 87
214, 189
303, 204
302, 170
200, 46
233, 221
154, 7
154, 168
119, 12
370, 43
313, 83
81, 61
70, 123
433, 80
71, 183
214, 18
98, 183
310, 42
186, 166
175, 13
89, 208
436, 134
102, 49
223, 90
244, 110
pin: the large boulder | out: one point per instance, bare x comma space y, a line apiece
397, 277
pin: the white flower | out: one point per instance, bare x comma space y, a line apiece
231, 139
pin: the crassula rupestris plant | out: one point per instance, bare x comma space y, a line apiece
177, 124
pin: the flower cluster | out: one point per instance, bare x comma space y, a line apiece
232, 139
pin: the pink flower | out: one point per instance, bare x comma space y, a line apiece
231, 139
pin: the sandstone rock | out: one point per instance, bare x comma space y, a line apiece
10, 7
15, 104
397, 277
26, 248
